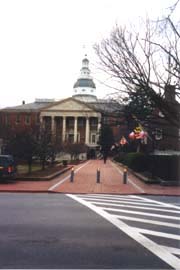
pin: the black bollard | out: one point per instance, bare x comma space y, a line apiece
98, 176
125, 176
72, 175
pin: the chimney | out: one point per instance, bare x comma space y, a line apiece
169, 92
23, 102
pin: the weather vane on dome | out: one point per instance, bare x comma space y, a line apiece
84, 49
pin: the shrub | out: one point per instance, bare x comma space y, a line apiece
120, 157
64, 162
165, 167
136, 161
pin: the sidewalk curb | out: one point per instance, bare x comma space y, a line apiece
138, 175
26, 186
83, 193
45, 178
147, 180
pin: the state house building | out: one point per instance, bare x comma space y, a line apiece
76, 119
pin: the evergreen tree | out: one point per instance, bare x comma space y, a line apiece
106, 138
140, 105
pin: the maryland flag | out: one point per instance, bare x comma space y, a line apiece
137, 132
123, 141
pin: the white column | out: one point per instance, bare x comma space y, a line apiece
41, 118
75, 129
52, 125
99, 124
64, 129
87, 131
98, 129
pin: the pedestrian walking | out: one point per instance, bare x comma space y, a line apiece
105, 155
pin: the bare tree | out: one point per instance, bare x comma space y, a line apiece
147, 59
75, 149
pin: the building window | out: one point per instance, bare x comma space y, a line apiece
81, 122
78, 137
94, 122
70, 138
158, 134
27, 119
18, 118
93, 138
37, 119
70, 122
105, 120
6, 119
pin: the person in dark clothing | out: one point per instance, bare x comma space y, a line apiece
105, 155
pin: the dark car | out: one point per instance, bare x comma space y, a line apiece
7, 166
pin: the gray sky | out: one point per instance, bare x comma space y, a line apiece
41, 42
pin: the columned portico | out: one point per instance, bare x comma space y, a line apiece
80, 128
72, 121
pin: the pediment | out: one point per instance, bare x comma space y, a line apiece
69, 104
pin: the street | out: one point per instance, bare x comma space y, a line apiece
89, 231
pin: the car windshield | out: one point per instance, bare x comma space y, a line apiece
5, 161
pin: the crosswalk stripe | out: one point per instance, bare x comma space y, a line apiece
113, 197
156, 249
172, 250
121, 201
157, 233
157, 202
138, 207
154, 222
140, 213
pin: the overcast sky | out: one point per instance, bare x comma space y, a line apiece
41, 42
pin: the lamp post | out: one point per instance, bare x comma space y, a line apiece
157, 136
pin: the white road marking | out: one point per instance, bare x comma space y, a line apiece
128, 179
140, 213
157, 233
169, 205
156, 249
154, 222
172, 250
125, 202
67, 177
138, 207
177, 204
112, 197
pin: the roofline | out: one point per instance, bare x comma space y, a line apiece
66, 99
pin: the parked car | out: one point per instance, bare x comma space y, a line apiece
7, 166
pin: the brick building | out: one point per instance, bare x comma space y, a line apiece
76, 119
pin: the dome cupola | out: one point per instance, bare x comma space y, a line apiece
84, 86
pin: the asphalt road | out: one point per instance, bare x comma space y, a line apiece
58, 231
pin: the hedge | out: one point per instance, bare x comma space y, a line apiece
164, 167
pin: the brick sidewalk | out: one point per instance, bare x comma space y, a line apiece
111, 181
85, 181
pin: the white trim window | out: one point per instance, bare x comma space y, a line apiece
27, 119
93, 138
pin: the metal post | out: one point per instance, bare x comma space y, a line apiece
98, 176
72, 175
125, 176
